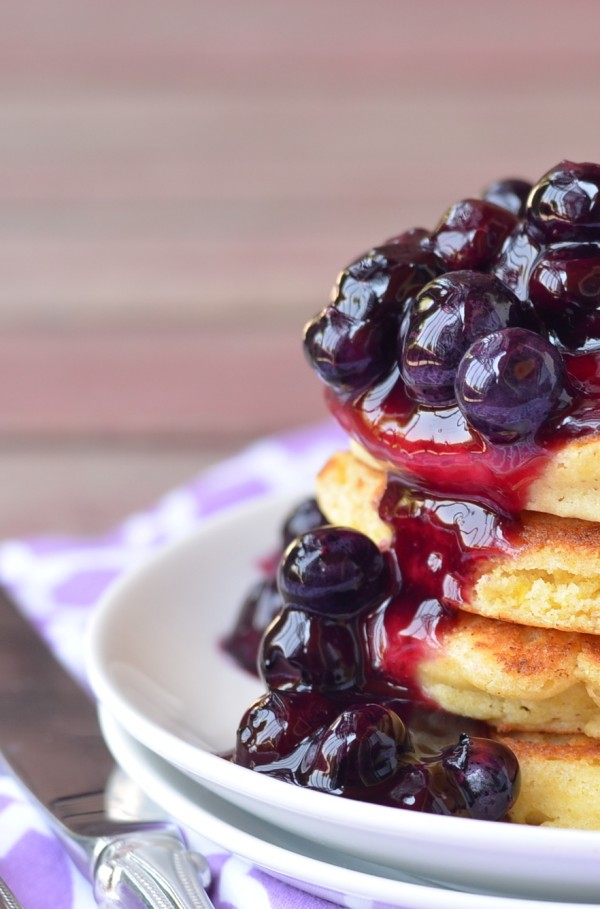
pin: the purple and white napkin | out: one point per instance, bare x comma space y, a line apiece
57, 582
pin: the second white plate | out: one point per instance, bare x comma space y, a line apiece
302, 864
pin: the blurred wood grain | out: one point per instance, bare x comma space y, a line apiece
181, 182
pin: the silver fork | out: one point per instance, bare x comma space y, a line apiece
7, 898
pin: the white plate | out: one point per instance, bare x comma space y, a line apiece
311, 868
155, 662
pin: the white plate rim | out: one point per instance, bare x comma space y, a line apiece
477, 836
180, 797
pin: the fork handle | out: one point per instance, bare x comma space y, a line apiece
150, 870
7, 898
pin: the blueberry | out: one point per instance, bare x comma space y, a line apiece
412, 263
510, 194
485, 774
304, 652
413, 235
334, 571
565, 203
306, 516
509, 382
351, 343
516, 260
471, 234
411, 788
358, 751
276, 724
565, 290
349, 354
262, 603
449, 314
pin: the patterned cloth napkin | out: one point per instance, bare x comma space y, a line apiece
58, 581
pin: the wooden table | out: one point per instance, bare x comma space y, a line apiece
181, 182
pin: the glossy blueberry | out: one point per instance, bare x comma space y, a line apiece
358, 751
565, 203
304, 652
306, 516
510, 194
351, 343
486, 776
334, 571
509, 382
471, 234
410, 788
565, 290
412, 263
449, 314
276, 724
349, 354
260, 606
517, 259
414, 235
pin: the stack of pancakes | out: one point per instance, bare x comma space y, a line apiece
523, 654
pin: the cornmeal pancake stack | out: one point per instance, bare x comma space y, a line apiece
524, 652
502, 377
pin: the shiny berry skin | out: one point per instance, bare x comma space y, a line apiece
565, 290
471, 234
276, 723
334, 571
304, 652
306, 516
351, 343
411, 788
414, 235
449, 314
411, 262
509, 382
358, 751
516, 261
486, 776
565, 203
510, 194
261, 604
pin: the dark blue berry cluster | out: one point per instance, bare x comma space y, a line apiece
482, 312
322, 725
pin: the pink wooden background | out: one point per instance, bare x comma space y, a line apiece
180, 183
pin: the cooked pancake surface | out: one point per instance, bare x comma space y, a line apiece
515, 677
349, 492
560, 780
552, 579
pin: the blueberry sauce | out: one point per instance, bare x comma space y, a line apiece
461, 360
439, 544
549, 261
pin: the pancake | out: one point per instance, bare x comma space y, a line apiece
349, 491
514, 677
560, 777
547, 576
569, 485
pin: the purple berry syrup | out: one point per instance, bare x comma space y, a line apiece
462, 360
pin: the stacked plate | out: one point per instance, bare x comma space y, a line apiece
171, 700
